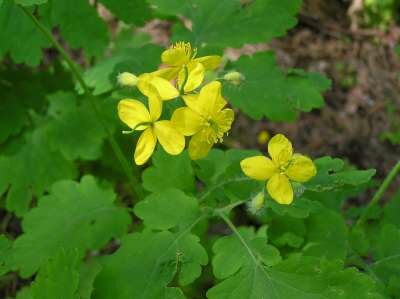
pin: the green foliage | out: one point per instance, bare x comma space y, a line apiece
71, 225
74, 215
167, 209
268, 92
297, 277
75, 131
102, 77
169, 172
147, 262
214, 22
131, 12
59, 278
17, 27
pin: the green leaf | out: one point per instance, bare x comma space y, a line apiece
386, 253
130, 11
74, 215
76, 130
44, 166
167, 209
327, 235
30, 2
147, 262
59, 277
12, 114
333, 175
19, 36
103, 76
268, 92
224, 178
80, 25
5, 245
169, 172
213, 22
391, 211
25, 293
88, 273
296, 278
230, 255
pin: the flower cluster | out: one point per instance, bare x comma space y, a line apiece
204, 117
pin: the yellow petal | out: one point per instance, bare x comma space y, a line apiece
145, 86
280, 189
224, 120
199, 145
145, 146
155, 107
191, 100
195, 72
209, 99
258, 167
151, 85
132, 112
171, 140
209, 62
169, 73
176, 56
280, 149
186, 121
301, 168
165, 88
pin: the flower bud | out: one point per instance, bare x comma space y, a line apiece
263, 137
234, 77
257, 203
127, 79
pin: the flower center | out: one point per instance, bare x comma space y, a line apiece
215, 134
190, 52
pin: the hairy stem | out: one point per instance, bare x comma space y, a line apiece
378, 195
131, 173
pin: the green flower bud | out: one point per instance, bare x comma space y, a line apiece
257, 203
234, 77
127, 79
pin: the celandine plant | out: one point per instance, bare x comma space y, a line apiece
189, 215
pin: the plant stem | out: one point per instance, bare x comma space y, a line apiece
131, 173
377, 196
238, 235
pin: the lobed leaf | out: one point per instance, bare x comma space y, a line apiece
16, 27
167, 209
58, 278
74, 215
146, 263
213, 22
268, 92
169, 172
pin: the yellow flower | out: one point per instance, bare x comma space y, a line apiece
150, 85
204, 118
134, 114
182, 63
283, 167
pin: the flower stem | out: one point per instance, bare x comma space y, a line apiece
378, 195
131, 173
